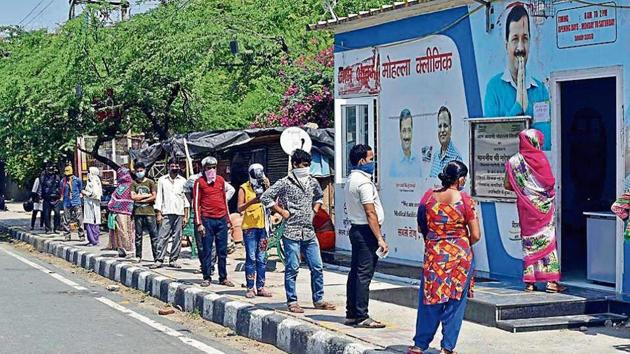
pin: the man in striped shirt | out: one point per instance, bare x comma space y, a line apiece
210, 195
447, 152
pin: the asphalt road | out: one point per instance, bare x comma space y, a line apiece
47, 309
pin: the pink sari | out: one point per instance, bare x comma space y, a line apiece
531, 177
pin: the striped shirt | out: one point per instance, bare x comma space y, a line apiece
440, 160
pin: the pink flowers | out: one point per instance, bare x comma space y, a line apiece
308, 98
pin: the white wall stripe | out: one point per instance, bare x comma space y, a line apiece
230, 316
255, 323
284, 334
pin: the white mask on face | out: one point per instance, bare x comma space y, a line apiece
302, 172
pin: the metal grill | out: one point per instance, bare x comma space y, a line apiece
542, 8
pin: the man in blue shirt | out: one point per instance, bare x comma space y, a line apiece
408, 165
447, 151
70, 188
514, 91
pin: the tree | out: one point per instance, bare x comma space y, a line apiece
167, 71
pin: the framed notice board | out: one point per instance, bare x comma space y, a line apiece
492, 142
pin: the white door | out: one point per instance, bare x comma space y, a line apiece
354, 124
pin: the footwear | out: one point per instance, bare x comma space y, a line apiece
295, 308
446, 351
529, 287
414, 350
227, 283
369, 323
553, 287
250, 294
262, 292
156, 265
174, 265
122, 253
351, 321
206, 283
323, 305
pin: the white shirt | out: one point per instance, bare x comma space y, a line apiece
360, 190
170, 198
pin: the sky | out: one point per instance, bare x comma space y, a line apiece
35, 14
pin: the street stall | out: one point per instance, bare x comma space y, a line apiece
427, 82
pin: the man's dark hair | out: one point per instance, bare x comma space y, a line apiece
515, 15
172, 161
139, 164
359, 152
405, 114
444, 109
300, 156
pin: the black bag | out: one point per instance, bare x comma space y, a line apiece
28, 206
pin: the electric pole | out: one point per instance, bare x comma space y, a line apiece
121, 5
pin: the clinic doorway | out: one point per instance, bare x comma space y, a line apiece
587, 159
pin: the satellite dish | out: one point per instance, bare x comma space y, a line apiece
295, 138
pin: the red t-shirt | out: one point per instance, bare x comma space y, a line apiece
209, 200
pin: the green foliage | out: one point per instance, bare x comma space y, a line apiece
167, 71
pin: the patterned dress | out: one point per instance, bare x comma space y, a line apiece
529, 174
448, 256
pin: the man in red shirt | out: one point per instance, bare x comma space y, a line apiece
210, 195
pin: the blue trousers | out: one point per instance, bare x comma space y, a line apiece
310, 249
255, 241
450, 314
217, 234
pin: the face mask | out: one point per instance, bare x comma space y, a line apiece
367, 168
140, 175
301, 172
174, 171
211, 175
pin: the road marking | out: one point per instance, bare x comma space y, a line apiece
45, 270
156, 325
160, 327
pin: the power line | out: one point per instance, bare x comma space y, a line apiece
40, 13
30, 12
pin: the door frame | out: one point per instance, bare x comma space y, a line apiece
339, 125
557, 78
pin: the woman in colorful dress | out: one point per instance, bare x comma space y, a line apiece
121, 233
92, 206
529, 175
621, 208
448, 222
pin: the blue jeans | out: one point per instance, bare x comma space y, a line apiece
310, 249
217, 234
450, 314
255, 241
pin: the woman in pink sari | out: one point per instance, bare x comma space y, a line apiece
529, 175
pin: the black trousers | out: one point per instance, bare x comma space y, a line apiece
50, 207
146, 223
364, 259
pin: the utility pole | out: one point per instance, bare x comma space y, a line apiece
122, 5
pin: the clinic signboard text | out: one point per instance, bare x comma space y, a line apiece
586, 25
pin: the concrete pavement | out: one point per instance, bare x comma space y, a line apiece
317, 331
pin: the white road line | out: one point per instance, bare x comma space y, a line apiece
156, 325
160, 327
45, 270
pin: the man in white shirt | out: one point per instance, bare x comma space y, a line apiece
172, 207
366, 215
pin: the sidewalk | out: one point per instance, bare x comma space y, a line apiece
266, 319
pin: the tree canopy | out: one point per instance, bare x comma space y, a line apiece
184, 66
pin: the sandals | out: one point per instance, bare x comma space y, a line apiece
262, 292
227, 283
554, 288
250, 294
370, 323
529, 287
414, 350
327, 306
206, 283
295, 308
